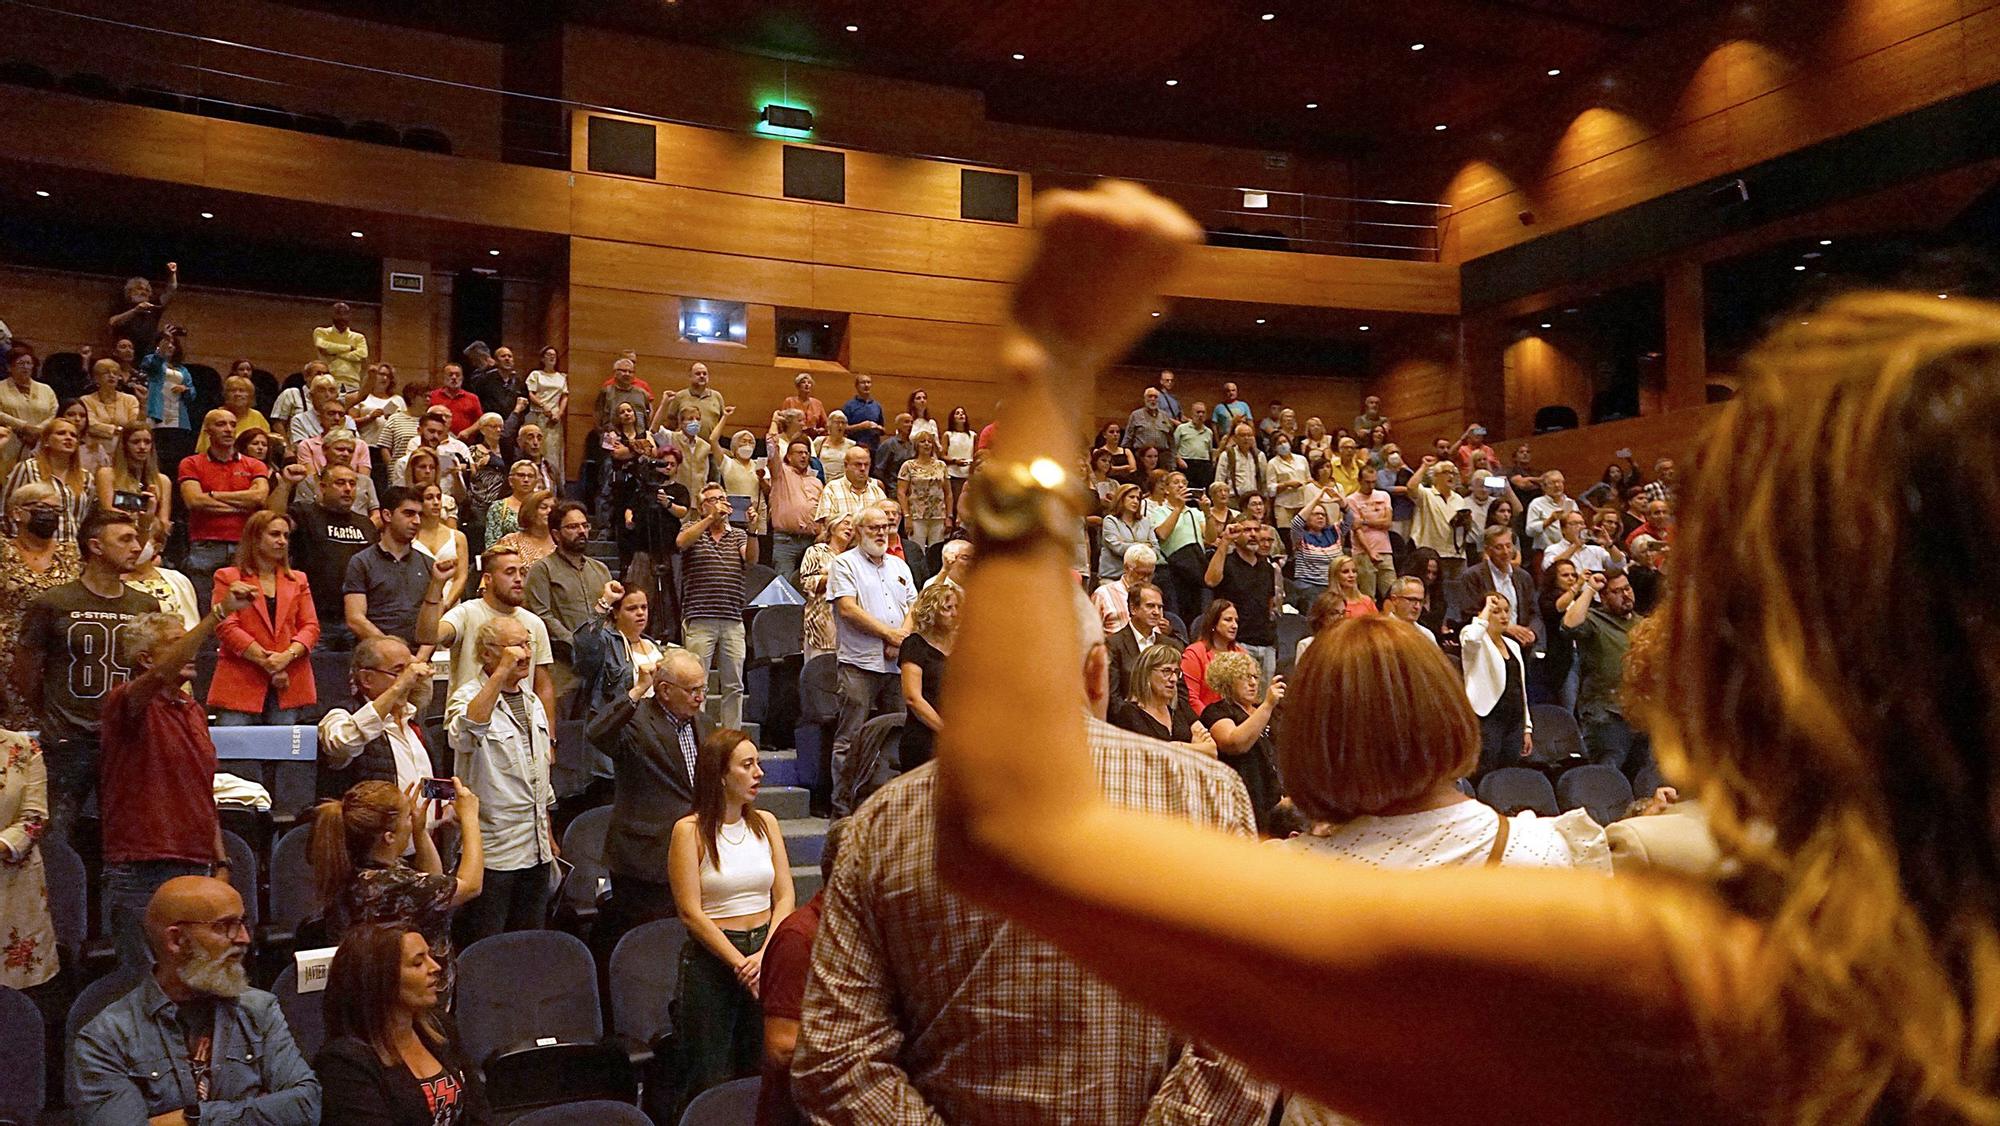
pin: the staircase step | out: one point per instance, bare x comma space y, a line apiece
781, 768
789, 803
805, 882
805, 838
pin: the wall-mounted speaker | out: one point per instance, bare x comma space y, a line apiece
622, 148
815, 174
992, 196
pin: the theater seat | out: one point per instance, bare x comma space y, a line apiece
595, 1112
23, 1066
1513, 789
645, 974
304, 1012
1602, 790
732, 1104
521, 987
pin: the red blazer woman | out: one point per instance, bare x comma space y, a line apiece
239, 684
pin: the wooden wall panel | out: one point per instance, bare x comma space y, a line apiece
412, 330
56, 312
927, 348
878, 241
686, 273
614, 208
1232, 274
1424, 399
1552, 369
909, 295
1582, 454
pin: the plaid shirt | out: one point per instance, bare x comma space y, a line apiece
925, 1009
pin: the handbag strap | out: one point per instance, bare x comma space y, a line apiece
1499, 840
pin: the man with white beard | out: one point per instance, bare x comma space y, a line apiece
871, 592
193, 1041
378, 740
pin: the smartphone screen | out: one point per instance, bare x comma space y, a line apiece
739, 510
439, 789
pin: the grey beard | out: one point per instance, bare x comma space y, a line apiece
421, 693
217, 975
874, 550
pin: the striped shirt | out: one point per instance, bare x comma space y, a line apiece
924, 1008
712, 576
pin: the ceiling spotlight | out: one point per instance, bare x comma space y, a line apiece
1572, 309
1260, 320
1440, 128
1173, 82
354, 234
1813, 255
1156, 312
494, 253
41, 194
208, 214
1801, 269
1019, 57
1416, 46
1944, 297
1826, 242
1312, 105
1269, 16
1546, 324
1554, 70
854, 27
1363, 328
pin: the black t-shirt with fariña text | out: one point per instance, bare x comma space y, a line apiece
322, 543
1250, 587
76, 632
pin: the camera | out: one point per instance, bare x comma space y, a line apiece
129, 502
438, 789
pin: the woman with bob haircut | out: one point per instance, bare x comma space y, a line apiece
390, 1058
1831, 702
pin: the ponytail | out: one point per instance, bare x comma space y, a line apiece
345, 829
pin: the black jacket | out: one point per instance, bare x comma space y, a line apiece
654, 787
357, 1089
1123, 650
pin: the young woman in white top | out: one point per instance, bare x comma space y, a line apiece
548, 405
371, 407
1496, 684
173, 589
831, 448
732, 886
959, 441
442, 542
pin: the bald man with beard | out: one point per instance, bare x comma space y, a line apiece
228, 1054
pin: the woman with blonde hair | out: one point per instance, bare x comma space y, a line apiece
111, 411
1829, 702
134, 483
1240, 723
503, 517
532, 539
921, 660
33, 560
815, 568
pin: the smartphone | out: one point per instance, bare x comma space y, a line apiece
1496, 484
739, 511
438, 789
1623, 455
129, 502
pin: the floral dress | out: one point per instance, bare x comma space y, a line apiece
928, 498
27, 930
814, 569
398, 893
20, 586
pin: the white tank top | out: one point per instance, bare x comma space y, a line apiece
739, 882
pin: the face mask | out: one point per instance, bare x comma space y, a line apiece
148, 553
693, 429
43, 522
1395, 461
1284, 449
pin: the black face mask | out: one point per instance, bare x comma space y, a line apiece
42, 523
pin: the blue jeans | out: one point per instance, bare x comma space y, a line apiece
1612, 742
205, 558
128, 889
786, 552
1267, 661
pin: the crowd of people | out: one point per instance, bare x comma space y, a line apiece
996, 939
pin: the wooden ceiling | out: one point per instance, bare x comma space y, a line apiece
1104, 65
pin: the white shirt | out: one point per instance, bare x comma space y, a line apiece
468, 617
342, 734
1462, 834
1587, 558
884, 589
509, 769
1503, 585
1544, 520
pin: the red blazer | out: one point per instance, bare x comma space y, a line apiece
239, 683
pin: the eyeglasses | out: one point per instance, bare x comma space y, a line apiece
226, 926
690, 689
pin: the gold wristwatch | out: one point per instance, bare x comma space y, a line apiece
1015, 504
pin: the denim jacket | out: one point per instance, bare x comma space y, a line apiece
130, 1064
604, 661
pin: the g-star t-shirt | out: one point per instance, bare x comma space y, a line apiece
77, 634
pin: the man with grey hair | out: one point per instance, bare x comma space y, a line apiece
1113, 596
376, 738
923, 1007
500, 744
1545, 512
871, 592
1406, 603
852, 491
156, 779
193, 1041
651, 734
955, 564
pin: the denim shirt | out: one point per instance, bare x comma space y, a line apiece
130, 1064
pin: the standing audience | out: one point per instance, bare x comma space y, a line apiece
871, 592
261, 674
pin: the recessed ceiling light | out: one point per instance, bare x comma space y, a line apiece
1416, 46
1572, 309
1260, 320
208, 214
1944, 297
1173, 82
1440, 128
1811, 256
494, 253
41, 194
1312, 105
1554, 70
1156, 312
1805, 322
1019, 57
1363, 328
1801, 269
1546, 324
854, 27
354, 234
1826, 242
1269, 16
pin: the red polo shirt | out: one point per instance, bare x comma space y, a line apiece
463, 405
156, 780
232, 476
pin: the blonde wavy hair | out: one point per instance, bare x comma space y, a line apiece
1833, 699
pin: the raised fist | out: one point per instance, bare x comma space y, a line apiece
613, 591
240, 595
443, 570
297, 472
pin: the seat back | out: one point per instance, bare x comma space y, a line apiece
558, 1074
777, 631
69, 893
594, 1112
84, 1009
1548, 419
1292, 629
878, 746
645, 970
583, 845
1557, 737
24, 1065
523, 986
304, 1013
243, 875
1512, 789
732, 1104
292, 896
756, 577
819, 692
1603, 790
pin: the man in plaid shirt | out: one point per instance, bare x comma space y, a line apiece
925, 1009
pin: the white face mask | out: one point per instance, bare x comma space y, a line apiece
147, 554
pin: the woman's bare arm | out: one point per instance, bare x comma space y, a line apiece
1358, 987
